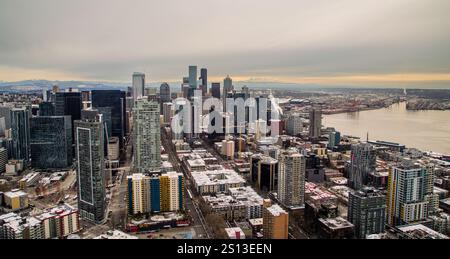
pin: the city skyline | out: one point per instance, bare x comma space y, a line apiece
350, 43
224, 120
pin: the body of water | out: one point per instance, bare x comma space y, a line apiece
425, 130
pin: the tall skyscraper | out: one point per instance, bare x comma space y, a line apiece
51, 142
20, 133
147, 139
406, 190
275, 221
362, 162
3, 159
193, 77
164, 93
367, 211
315, 123
5, 113
264, 172
155, 193
138, 85
113, 104
227, 85
215, 90
294, 124
291, 178
334, 139
69, 103
46, 109
204, 80
186, 90
89, 139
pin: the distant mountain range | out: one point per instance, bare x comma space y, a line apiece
39, 85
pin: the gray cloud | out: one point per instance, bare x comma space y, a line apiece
109, 39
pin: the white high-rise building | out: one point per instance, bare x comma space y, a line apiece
294, 124
138, 85
147, 139
291, 178
406, 202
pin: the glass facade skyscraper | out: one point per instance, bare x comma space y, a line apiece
113, 102
68, 103
89, 149
20, 132
138, 85
215, 90
407, 187
164, 93
51, 142
46, 109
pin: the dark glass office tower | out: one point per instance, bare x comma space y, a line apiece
5, 116
68, 103
215, 90
89, 139
46, 109
204, 80
116, 100
51, 142
164, 93
20, 131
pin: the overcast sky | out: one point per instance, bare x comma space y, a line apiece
301, 41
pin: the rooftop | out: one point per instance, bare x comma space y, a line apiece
115, 234
57, 212
15, 193
420, 231
276, 210
256, 222
215, 177
336, 223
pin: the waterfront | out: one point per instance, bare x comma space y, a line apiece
425, 130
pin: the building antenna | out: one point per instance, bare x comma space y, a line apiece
367, 137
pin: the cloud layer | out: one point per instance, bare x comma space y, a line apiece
286, 40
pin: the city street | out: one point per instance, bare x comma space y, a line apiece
191, 207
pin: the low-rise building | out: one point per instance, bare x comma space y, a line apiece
335, 228
235, 233
238, 204
16, 200
216, 181
116, 234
